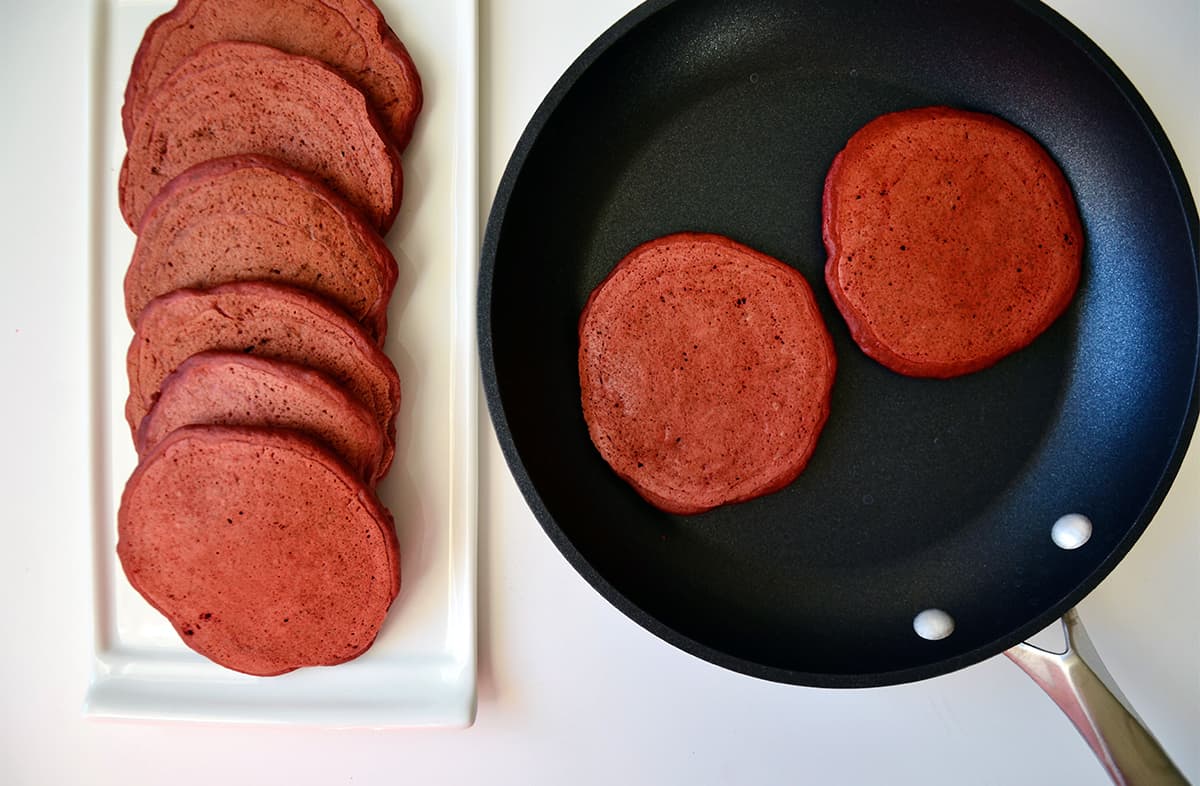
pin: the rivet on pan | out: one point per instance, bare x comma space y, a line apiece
1071, 531
933, 624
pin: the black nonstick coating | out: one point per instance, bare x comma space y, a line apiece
722, 116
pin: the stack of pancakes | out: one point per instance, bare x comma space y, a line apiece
263, 169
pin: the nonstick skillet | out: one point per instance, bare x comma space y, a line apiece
923, 495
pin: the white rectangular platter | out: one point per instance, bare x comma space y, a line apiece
421, 670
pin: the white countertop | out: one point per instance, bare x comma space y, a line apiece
570, 691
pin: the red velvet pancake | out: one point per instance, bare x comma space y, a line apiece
705, 370
953, 240
236, 389
250, 218
350, 35
261, 548
270, 321
232, 97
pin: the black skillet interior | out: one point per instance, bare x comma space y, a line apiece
722, 116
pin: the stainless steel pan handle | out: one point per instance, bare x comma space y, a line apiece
1072, 679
